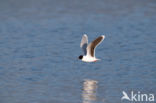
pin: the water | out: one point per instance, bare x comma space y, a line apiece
39, 49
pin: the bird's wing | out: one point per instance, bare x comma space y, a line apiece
91, 47
84, 43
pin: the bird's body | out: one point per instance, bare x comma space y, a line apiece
89, 49
89, 59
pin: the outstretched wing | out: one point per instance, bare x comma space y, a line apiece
91, 47
84, 43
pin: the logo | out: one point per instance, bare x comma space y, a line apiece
137, 97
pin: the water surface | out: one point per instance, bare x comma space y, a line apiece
39, 46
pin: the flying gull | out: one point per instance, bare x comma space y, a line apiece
89, 49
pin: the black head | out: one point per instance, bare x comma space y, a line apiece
81, 56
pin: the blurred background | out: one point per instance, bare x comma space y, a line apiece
40, 45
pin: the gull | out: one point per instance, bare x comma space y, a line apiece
89, 49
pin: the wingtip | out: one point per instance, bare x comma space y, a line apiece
103, 36
84, 34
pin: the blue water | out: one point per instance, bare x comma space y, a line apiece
40, 45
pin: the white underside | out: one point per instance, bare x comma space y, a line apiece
89, 59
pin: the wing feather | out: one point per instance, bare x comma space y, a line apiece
84, 43
91, 47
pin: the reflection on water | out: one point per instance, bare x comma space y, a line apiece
89, 90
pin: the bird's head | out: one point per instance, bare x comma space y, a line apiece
80, 57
